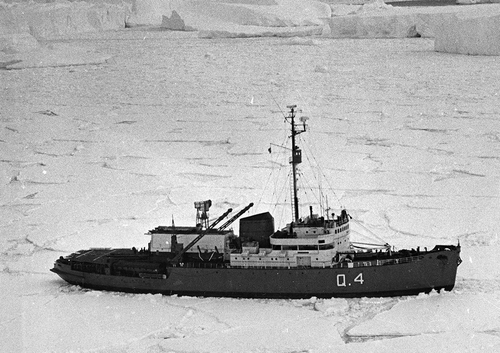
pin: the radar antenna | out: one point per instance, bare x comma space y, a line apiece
202, 208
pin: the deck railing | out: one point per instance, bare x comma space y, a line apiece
355, 264
99, 268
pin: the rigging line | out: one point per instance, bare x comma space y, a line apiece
364, 236
368, 248
285, 201
303, 104
369, 231
279, 179
282, 113
306, 186
281, 192
323, 174
265, 188
304, 181
318, 181
282, 165
309, 153
280, 170
274, 160
357, 242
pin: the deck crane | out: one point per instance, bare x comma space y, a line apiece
177, 257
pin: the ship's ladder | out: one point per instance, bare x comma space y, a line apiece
292, 195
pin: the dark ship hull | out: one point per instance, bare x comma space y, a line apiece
369, 277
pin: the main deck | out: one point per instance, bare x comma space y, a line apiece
408, 275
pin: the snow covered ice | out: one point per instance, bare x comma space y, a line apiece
96, 154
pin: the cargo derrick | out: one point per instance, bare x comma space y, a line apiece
153, 264
181, 253
212, 244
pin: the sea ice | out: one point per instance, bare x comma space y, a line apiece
435, 313
97, 155
55, 55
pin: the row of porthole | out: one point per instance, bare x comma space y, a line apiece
272, 259
341, 229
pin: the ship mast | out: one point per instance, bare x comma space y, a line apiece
296, 155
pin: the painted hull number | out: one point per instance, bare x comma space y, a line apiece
341, 282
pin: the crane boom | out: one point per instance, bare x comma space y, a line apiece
202, 234
235, 217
